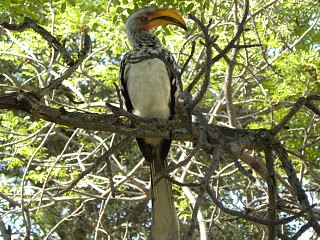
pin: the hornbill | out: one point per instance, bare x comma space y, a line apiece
148, 87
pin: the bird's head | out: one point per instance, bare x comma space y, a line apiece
149, 18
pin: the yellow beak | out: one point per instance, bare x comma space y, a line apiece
165, 16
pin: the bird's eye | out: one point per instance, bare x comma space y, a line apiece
144, 18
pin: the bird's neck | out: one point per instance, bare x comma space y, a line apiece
144, 38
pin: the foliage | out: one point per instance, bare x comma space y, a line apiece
280, 64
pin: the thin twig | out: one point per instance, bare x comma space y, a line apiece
295, 183
53, 42
295, 108
86, 44
208, 45
123, 143
226, 49
193, 47
234, 212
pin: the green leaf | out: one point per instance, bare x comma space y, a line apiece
189, 7
63, 7
119, 10
32, 9
115, 19
166, 31
72, 2
163, 40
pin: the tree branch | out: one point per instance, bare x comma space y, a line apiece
29, 103
272, 196
53, 42
227, 48
303, 101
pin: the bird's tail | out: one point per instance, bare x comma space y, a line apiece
165, 222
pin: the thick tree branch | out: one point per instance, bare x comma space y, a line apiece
272, 196
5, 232
238, 139
29, 103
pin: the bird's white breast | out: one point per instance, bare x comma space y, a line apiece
149, 88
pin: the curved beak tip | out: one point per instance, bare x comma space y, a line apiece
185, 27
